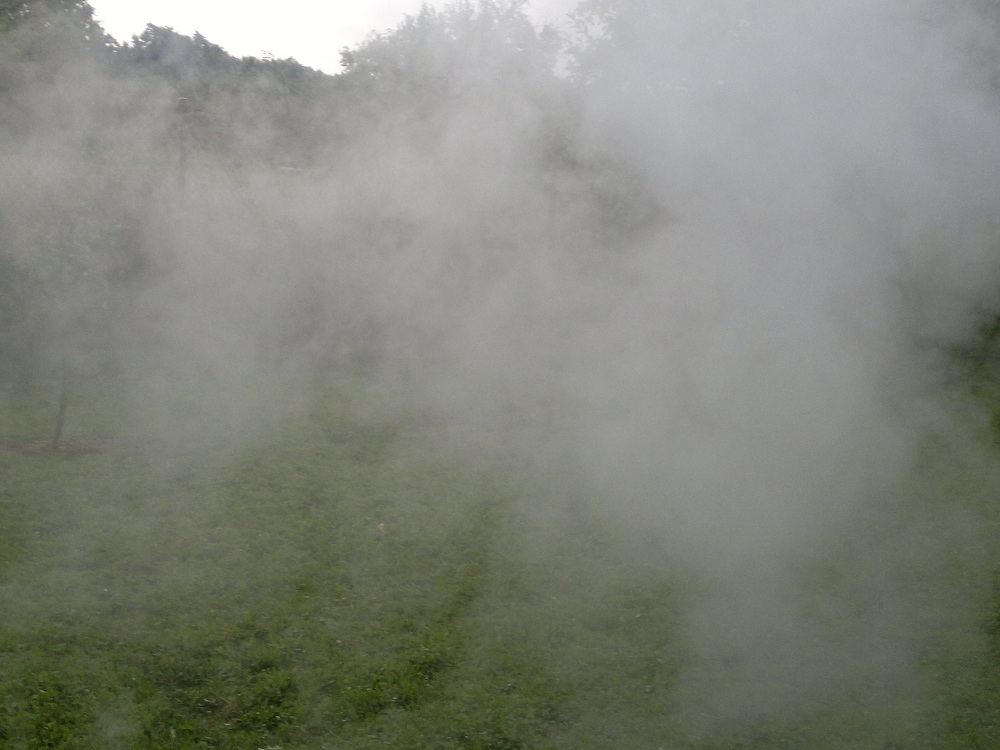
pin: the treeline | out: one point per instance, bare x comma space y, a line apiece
127, 166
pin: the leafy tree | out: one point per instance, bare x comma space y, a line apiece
242, 111
66, 140
469, 51
72, 257
16, 12
71, 22
176, 56
650, 44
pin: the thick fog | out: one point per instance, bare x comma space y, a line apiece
765, 363
831, 189
717, 267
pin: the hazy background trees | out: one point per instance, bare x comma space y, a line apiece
459, 153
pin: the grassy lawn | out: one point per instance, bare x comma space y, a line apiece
347, 571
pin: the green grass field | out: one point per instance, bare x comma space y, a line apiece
345, 570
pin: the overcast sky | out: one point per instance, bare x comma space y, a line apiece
311, 32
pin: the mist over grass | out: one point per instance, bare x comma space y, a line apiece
700, 297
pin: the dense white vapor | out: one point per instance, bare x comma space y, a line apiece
831, 183
831, 176
722, 293
749, 366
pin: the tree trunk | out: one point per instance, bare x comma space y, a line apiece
60, 415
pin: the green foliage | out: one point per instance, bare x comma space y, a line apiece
14, 13
178, 56
469, 51
493, 38
41, 38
